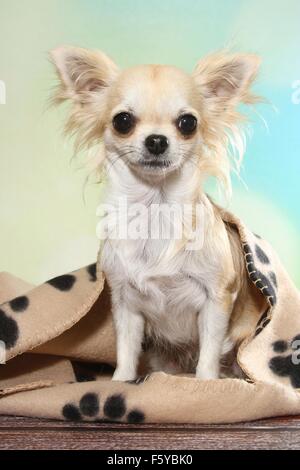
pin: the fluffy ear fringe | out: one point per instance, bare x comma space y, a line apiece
224, 81
84, 78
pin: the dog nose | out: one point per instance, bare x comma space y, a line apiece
156, 144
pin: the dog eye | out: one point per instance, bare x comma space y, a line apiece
123, 122
186, 124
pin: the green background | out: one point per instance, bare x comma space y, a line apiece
46, 226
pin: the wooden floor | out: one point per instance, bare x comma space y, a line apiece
27, 433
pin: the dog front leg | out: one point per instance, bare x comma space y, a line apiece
213, 324
130, 332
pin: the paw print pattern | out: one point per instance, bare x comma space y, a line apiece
92, 271
9, 330
19, 304
89, 404
266, 283
63, 283
287, 365
66, 282
114, 409
263, 321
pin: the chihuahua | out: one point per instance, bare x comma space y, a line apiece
161, 132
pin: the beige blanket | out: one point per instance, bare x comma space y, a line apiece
60, 351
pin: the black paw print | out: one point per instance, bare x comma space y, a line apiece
266, 283
114, 409
287, 366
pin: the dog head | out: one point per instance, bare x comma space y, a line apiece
155, 118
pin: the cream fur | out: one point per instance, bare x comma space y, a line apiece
180, 298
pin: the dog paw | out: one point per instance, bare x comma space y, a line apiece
123, 376
207, 373
287, 365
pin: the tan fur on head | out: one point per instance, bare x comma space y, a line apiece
220, 82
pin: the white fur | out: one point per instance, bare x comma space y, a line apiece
177, 297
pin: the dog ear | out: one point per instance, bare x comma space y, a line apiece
226, 78
84, 79
224, 82
82, 72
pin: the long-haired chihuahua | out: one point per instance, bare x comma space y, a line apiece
162, 132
